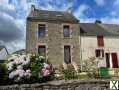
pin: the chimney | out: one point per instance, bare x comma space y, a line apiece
98, 22
33, 8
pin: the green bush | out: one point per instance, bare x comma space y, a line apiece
3, 74
70, 74
30, 68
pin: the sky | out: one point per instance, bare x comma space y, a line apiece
13, 15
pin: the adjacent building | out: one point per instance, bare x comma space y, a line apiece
54, 35
100, 41
3, 53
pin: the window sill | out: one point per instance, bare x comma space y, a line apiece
67, 37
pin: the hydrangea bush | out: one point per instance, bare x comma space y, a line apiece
28, 68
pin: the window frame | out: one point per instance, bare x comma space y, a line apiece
45, 49
70, 55
69, 31
42, 24
99, 53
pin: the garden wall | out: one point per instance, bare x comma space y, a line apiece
62, 85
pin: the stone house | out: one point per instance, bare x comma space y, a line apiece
53, 34
100, 41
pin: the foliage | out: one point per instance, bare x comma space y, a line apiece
90, 64
69, 72
91, 67
29, 68
3, 74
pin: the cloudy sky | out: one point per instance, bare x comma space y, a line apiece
13, 15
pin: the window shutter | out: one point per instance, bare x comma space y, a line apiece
100, 41
114, 60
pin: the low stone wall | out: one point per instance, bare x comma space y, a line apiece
62, 85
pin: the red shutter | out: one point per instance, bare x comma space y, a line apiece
100, 41
114, 60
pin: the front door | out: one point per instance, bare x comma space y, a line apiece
107, 59
114, 60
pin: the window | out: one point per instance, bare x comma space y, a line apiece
99, 53
67, 56
66, 31
41, 30
100, 41
42, 50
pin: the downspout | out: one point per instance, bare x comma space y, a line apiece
80, 48
81, 52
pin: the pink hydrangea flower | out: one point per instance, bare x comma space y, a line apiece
45, 72
46, 66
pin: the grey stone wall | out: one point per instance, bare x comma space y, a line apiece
54, 41
62, 85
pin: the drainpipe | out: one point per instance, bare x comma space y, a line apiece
80, 49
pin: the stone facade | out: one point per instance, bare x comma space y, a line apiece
53, 40
63, 85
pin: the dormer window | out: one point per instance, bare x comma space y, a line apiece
41, 30
66, 31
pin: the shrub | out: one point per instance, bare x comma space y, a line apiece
3, 74
29, 68
91, 67
70, 74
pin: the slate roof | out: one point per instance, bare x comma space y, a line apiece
44, 15
94, 29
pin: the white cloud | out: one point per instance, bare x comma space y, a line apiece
12, 29
80, 11
4, 1
87, 20
110, 20
113, 13
100, 2
116, 2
